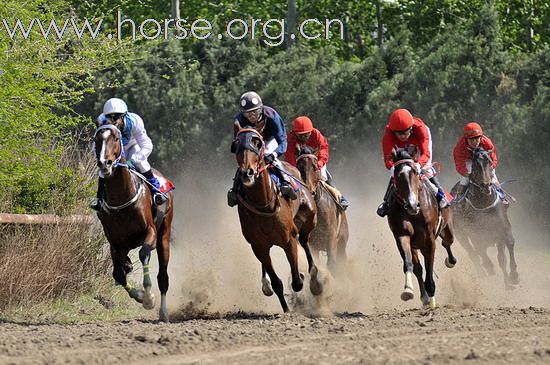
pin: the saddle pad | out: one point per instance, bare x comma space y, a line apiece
165, 184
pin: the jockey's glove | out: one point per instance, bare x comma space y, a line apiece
131, 164
269, 159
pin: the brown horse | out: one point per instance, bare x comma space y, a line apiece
481, 220
129, 222
331, 233
416, 222
268, 219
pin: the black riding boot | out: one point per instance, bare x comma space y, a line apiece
441, 197
99, 195
286, 187
232, 193
158, 197
383, 208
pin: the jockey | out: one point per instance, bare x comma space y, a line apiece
303, 134
137, 145
266, 120
472, 139
402, 131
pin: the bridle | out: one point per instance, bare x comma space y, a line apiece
410, 162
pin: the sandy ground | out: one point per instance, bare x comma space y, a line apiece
219, 314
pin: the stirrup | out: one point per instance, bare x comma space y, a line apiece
232, 198
382, 210
344, 203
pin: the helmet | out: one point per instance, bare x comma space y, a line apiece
472, 130
400, 120
250, 101
302, 125
115, 106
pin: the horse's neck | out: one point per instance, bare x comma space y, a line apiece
480, 198
262, 192
120, 187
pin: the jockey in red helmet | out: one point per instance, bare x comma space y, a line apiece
304, 134
472, 139
402, 131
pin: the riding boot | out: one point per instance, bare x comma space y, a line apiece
232, 193
158, 197
440, 195
285, 184
384, 207
344, 203
501, 194
99, 196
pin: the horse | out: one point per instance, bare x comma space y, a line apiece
481, 220
331, 233
128, 219
267, 218
416, 221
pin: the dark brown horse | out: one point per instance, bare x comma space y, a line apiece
331, 233
416, 222
481, 220
268, 219
129, 222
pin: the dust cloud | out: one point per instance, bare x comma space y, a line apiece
213, 270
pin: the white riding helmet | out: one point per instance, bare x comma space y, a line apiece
115, 106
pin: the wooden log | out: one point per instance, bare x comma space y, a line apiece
7, 218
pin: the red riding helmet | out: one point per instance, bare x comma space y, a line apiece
400, 120
472, 130
302, 125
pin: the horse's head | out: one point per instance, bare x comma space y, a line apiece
308, 167
248, 146
482, 170
108, 148
406, 179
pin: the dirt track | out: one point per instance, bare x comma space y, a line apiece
446, 335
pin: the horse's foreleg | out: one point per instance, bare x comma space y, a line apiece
262, 254
291, 251
404, 247
429, 282
163, 254
417, 269
315, 285
266, 284
119, 274
145, 256
501, 256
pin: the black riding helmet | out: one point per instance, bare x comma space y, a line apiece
250, 101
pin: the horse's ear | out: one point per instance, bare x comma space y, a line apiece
236, 127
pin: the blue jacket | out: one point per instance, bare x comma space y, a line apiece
274, 127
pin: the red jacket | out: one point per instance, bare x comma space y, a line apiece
463, 153
419, 137
316, 141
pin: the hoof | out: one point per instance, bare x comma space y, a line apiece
163, 316
514, 278
266, 289
149, 301
407, 294
425, 302
298, 286
449, 264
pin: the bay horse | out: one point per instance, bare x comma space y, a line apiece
416, 221
128, 221
331, 233
267, 218
481, 220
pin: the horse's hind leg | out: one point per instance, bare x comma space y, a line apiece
315, 285
510, 243
266, 284
502, 263
447, 237
145, 256
119, 274
262, 254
